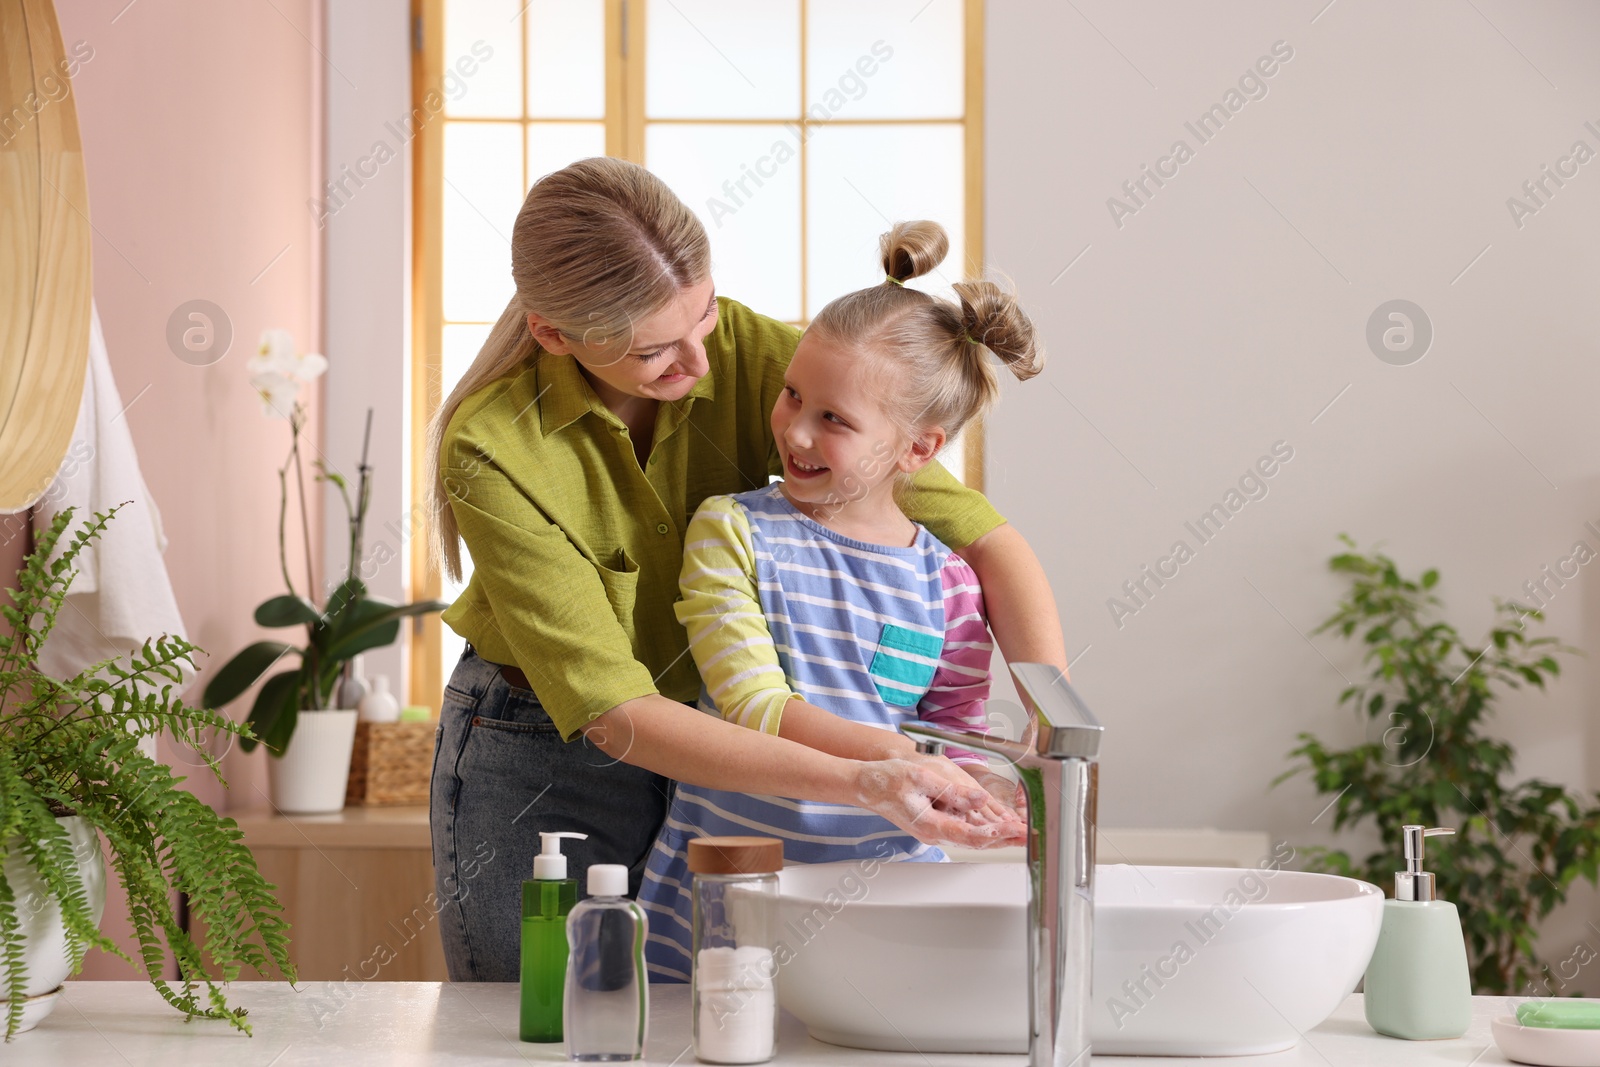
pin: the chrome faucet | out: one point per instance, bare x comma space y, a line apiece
1059, 772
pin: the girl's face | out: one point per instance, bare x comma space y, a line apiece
837, 442
660, 358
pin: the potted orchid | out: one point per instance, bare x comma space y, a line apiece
296, 712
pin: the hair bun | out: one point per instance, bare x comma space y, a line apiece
992, 318
912, 249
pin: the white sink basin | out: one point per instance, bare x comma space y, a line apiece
1197, 961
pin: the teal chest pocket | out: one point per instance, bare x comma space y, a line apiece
904, 664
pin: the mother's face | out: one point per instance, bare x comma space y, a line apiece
660, 358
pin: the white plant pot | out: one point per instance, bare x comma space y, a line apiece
311, 775
45, 957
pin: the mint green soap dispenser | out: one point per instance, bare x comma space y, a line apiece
1417, 985
547, 898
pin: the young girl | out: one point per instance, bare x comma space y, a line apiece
816, 609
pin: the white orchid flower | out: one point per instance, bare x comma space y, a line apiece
277, 372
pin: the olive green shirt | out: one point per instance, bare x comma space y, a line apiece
576, 549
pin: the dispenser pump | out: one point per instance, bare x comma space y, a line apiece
550, 865
1414, 883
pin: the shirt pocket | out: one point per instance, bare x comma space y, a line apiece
904, 664
622, 587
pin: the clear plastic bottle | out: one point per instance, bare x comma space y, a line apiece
735, 933
607, 1004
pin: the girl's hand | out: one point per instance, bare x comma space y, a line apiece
1005, 793
934, 808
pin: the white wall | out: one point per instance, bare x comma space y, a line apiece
367, 227
1229, 311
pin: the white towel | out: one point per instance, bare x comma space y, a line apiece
122, 595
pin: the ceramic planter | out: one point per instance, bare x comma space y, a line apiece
44, 939
311, 775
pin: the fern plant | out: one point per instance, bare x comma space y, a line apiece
72, 748
1428, 695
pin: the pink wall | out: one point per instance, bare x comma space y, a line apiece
202, 131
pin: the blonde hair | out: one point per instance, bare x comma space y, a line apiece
597, 246
933, 349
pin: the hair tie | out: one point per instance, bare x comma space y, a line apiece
892, 278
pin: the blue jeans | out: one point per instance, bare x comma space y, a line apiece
501, 774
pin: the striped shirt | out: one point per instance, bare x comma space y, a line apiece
778, 606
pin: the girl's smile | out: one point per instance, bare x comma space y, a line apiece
795, 469
841, 451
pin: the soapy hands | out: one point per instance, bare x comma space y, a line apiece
1005, 803
937, 802
1006, 794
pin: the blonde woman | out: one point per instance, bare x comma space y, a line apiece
615, 394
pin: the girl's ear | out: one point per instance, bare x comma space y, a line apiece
923, 447
548, 337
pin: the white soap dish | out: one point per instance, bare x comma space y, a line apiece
1544, 1046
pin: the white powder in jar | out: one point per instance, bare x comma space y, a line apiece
738, 1005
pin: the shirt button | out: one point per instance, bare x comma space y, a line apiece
661, 527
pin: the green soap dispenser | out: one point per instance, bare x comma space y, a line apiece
546, 899
1417, 985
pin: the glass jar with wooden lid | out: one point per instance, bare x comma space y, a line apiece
735, 935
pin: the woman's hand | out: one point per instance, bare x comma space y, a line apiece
935, 808
1000, 806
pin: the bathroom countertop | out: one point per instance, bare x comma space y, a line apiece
401, 1023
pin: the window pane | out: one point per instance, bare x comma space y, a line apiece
476, 86
744, 183
482, 194
566, 59
552, 145
922, 76
865, 178
461, 345
723, 59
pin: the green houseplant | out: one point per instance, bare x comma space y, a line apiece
1426, 700
350, 621
69, 749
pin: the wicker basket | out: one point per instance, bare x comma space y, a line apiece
391, 763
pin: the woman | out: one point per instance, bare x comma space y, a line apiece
615, 393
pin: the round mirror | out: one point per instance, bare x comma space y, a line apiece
45, 275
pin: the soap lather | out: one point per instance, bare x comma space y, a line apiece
1417, 985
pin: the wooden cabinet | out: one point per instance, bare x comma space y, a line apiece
357, 889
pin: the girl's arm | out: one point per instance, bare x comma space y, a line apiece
960, 688
720, 607
955, 699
